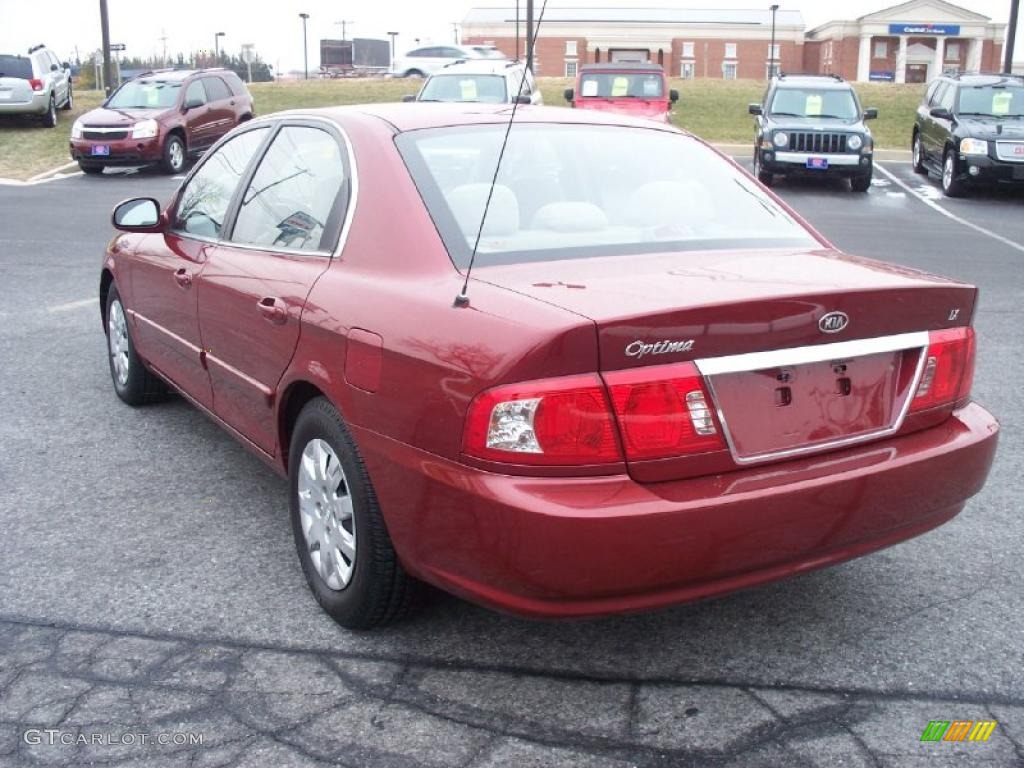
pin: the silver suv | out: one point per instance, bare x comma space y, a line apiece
488, 81
36, 84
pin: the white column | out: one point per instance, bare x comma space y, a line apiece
864, 60
974, 55
901, 61
940, 58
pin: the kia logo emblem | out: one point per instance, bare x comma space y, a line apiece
833, 322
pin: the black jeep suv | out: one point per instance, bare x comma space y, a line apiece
970, 130
812, 124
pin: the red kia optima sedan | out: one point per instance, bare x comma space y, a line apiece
660, 385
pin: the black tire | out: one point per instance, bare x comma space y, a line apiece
50, 116
139, 386
952, 186
70, 102
917, 154
379, 591
860, 183
91, 169
765, 177
414, 73
174, 157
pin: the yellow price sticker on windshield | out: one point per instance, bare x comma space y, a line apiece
152, 97
468, 89
1001, 101
620, 87
813, 106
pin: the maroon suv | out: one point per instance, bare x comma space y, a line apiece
161, 117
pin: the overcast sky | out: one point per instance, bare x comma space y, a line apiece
276, 30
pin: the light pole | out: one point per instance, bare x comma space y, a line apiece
216, 47
771, 50
305, 48
108, 75
392, 35
1011, 35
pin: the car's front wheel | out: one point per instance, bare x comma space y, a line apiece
917, 154
173, 160
342, 542
861, 183
764, 176
50, 116
951, 183
133, 383
91, 168
70, 103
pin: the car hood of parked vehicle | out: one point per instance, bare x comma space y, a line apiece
116, 117
735, 301
993, 128
628, 106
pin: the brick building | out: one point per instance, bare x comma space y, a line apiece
911, 42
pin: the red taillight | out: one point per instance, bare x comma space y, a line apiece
663, 411
561, 421
948, 369
37, 85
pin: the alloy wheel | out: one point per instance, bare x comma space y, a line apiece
327, 514
117, 341
947, 171
177, 154
917, 151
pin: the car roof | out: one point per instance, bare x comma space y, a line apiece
798, 81
987, 79
479, 67
175, 75
424, 115
640, 66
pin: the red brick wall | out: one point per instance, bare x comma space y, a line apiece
812, 56
886, 63
991, 57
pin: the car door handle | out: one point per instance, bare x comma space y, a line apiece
183, 278
272, 310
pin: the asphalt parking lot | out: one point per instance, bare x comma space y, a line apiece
150, 586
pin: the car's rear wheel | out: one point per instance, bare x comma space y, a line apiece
342, 542
174, 154
951, 183
764, 176
70, 103
50, 116
90, 168
133, 383
917, 154
861, 183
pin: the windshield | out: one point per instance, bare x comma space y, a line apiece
992, 100
485, 88
145, 94
814, 102
572, 191
622, 85
15, 66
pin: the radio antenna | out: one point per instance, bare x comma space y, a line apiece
462, 300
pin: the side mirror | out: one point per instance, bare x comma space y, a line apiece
941, 113
54, 67
193, 104
523, 99
569, 94
140, 214
673, 95
870, 113
409, 97
755, 109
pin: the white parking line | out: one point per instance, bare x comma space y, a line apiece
926, 199
72, 305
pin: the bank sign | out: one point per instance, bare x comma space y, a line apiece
924, 29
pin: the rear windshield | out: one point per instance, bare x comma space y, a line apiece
571, 191
622, 85
484, 88
992, 100
15, 66
145, 94
814, 102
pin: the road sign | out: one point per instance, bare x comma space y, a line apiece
117, 47
248, 53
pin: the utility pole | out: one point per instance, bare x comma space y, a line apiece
344, 26
771, 50
108, 75
529, 35
1011, 36
305, 48
163, 39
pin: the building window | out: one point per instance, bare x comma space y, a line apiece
729, 70
730, 50
688, 50
570, 47
570, 68
774, 51
952, 51
686, 70
771, 70
881, 49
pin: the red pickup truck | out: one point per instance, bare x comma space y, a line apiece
632, 88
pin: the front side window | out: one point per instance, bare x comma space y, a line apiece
195, 93
578, 191
814, 102
622, 85
991, 100
301, 181
204, 201
145, 94
483, 88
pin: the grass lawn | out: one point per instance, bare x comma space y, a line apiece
713, 109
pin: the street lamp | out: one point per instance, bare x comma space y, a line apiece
216, 47
392, 35
305, 48
771, 51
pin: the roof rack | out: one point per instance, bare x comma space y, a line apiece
35, 48
1015, 75
830, 75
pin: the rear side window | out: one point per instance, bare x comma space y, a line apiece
297, 195
216, 89
206, 197
15, 66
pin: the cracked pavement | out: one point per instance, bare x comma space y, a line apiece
149, 582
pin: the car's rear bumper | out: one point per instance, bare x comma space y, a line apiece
784, 162
988, 170
37, 105
122, 151
581, 546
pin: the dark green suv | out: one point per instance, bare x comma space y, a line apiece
812, 125
969, 129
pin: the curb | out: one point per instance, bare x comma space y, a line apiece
52, 171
